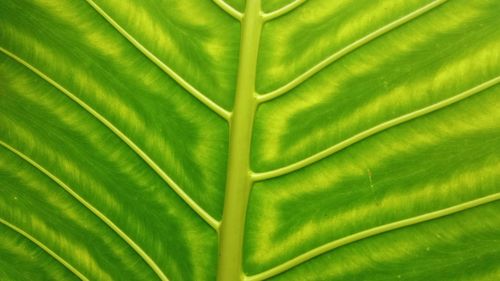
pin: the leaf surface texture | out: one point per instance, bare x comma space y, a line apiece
249, 140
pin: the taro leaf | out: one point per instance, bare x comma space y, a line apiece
212, 140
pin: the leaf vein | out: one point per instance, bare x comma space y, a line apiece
45, 248
91, 208
170, 182
283, 10
374, 130
348, 49
169, 71
229, 9
371, 232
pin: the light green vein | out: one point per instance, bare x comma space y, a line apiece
45, 248
374, 130
238, 182
183, 195
372, 232
348, 49
176, 77
91, 208
283, 10
228, 9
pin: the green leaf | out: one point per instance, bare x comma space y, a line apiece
239, 140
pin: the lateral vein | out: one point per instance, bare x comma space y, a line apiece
229, 9
45, 248
169, 71
346, 50
371, 232
256, 176
91, 208
283, 10
170, 182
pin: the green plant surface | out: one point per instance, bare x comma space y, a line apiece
249, 140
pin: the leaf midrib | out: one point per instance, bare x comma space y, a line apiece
243, 171
238, 179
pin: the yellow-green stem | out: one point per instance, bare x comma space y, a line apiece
239, 182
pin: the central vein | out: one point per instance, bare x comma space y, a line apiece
238, 182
